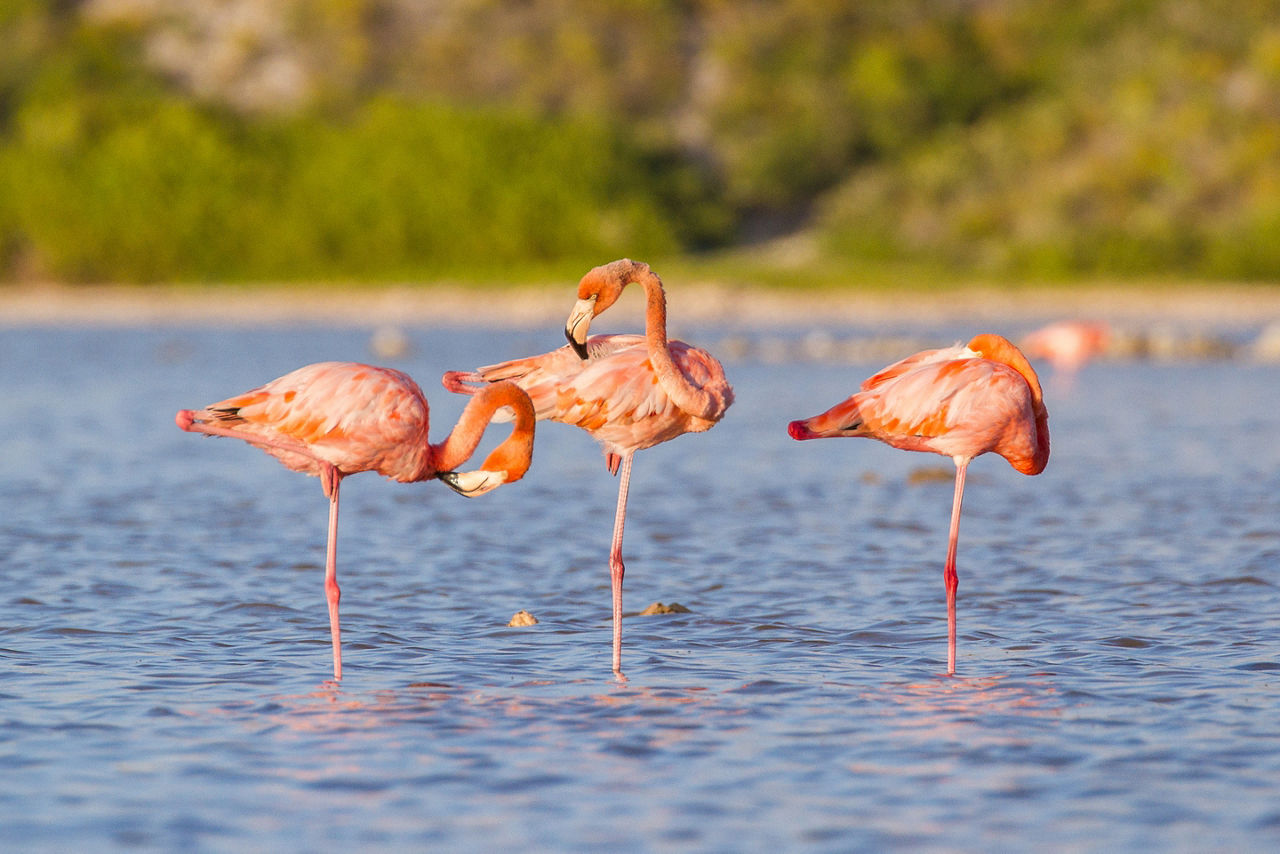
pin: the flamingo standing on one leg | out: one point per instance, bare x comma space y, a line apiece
959, 402
333, 419
628, 391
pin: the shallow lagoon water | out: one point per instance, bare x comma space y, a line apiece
164, 644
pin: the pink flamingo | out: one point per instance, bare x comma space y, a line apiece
959, 402
333, 419
630, 392
1068, 344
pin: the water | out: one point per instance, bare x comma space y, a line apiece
163, 637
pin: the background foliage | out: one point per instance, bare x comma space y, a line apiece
360, 139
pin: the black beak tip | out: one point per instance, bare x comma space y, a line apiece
580, 349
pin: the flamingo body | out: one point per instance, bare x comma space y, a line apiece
952, 401
335, 419
960, 402
346, 415
630, 392
614, 394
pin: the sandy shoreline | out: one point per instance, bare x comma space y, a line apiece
1201, 307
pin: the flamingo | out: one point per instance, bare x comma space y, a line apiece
333, 419
960, 402
629, 392
1067, 344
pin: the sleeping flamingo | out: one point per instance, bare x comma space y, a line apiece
333, 419
629, 392
959, 402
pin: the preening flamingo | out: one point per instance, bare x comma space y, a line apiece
959, 402
333, 419
630, 392
1067, 344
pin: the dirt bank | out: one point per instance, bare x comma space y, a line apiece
1205, 306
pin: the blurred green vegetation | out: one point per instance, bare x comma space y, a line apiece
1149, 144
388, 139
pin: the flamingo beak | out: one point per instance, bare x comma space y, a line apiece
469, 484
799, 430
843, 419
578, 324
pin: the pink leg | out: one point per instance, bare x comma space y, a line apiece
616, 569
949, 575
331, 480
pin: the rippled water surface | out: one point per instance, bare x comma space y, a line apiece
163, 635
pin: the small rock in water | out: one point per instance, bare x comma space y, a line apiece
659, 608
930, 474
523, 618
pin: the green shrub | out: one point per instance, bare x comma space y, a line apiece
398, 190
1001, 138
1157, 152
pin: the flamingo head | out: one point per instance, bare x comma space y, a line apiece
578, 324
843, 419
508, 462
599, 289
800, 431
469, 484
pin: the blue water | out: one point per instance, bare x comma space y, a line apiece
164, 641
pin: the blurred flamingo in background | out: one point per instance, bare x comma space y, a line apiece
629, 392
959, 402
1067, 344
333, 419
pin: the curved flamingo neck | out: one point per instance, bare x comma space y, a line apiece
997, 348
461, 443
690, 398
1000, 349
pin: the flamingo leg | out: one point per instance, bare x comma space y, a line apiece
616, 569
949, 575
331, 480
